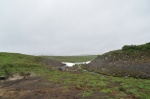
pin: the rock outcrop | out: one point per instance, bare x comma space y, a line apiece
122, 63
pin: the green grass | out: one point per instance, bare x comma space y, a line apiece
11, 63
87, 93
106, 90
88, 82
72, 58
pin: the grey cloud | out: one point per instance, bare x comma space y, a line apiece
72, 27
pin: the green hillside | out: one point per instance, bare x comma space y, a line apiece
73, 58
11, 63
143, 47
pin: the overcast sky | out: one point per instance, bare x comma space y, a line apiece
72, 27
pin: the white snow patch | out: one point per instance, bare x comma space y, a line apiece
68, 64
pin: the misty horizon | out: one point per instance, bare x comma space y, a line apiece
72, 27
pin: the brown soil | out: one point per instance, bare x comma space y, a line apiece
40, 88
36, 88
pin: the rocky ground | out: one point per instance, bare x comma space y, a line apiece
121, 63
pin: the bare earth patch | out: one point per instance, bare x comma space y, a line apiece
36, 88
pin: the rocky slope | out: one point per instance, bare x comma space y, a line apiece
131, 62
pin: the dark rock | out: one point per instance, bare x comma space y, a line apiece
3, 78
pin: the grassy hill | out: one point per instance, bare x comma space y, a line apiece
11, 63
130, 61
62, 84
73, 58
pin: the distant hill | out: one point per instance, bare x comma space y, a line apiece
72, 58
130, 61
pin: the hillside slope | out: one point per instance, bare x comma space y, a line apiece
131, 61
11, 63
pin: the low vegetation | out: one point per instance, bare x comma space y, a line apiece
83, 84
72, 58
11, 63
143, 47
